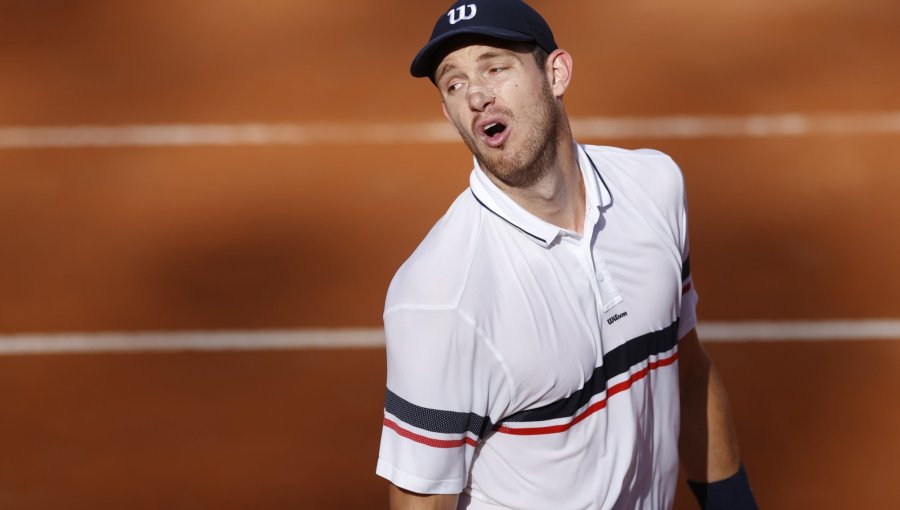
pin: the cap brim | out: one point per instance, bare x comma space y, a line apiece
423, 64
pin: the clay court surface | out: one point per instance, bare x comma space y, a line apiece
793, 204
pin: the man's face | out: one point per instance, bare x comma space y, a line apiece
501, 103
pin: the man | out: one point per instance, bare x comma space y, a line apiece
540, 340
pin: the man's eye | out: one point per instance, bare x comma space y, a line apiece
453, 87
496, 69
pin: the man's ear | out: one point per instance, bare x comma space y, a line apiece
559, 71
446, 113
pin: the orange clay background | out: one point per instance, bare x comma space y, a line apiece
271, 237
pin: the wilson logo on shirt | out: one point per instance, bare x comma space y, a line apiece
616, 317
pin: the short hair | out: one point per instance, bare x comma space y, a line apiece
540, 55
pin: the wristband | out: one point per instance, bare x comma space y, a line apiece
732, 493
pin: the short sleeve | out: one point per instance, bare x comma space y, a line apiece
687, 318
445, 390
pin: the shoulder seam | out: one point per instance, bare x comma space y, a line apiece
496, 353
422, 308
481, 335
475, 246
463, 286
454, 304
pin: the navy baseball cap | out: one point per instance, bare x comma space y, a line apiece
510, 20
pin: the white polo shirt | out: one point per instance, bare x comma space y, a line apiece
530, 367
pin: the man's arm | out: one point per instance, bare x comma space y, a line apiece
401, 499
708, 444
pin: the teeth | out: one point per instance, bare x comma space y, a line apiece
493, 128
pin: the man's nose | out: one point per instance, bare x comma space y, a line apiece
480, 97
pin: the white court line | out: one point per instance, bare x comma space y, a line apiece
149, 341
110, 342
869, 329
603, 128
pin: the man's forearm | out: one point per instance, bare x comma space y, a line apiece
708, 444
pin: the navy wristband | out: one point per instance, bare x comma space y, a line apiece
732, 493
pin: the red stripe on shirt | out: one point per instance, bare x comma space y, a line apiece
686, 288
428, 441
596, 406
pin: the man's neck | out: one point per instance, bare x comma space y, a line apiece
559, 196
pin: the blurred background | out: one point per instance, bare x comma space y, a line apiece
202, 204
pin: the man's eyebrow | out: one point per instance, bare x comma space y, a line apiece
487, 55
443, 70
493, 54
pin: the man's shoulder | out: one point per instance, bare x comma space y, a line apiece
646, 161
649, 170
437, 271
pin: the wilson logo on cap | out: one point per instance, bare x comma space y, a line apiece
507, 20
461, 13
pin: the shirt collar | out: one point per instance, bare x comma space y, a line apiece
543, 233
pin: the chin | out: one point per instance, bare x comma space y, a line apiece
510, 173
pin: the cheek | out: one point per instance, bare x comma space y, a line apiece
516, 93
457, 115
456, 119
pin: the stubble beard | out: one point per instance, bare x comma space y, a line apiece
535, 158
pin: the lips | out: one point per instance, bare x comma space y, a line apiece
493, 131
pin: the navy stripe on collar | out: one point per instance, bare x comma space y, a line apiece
544, 241
599, 176
541, 239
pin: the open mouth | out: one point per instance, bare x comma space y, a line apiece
493, 129
495, 134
